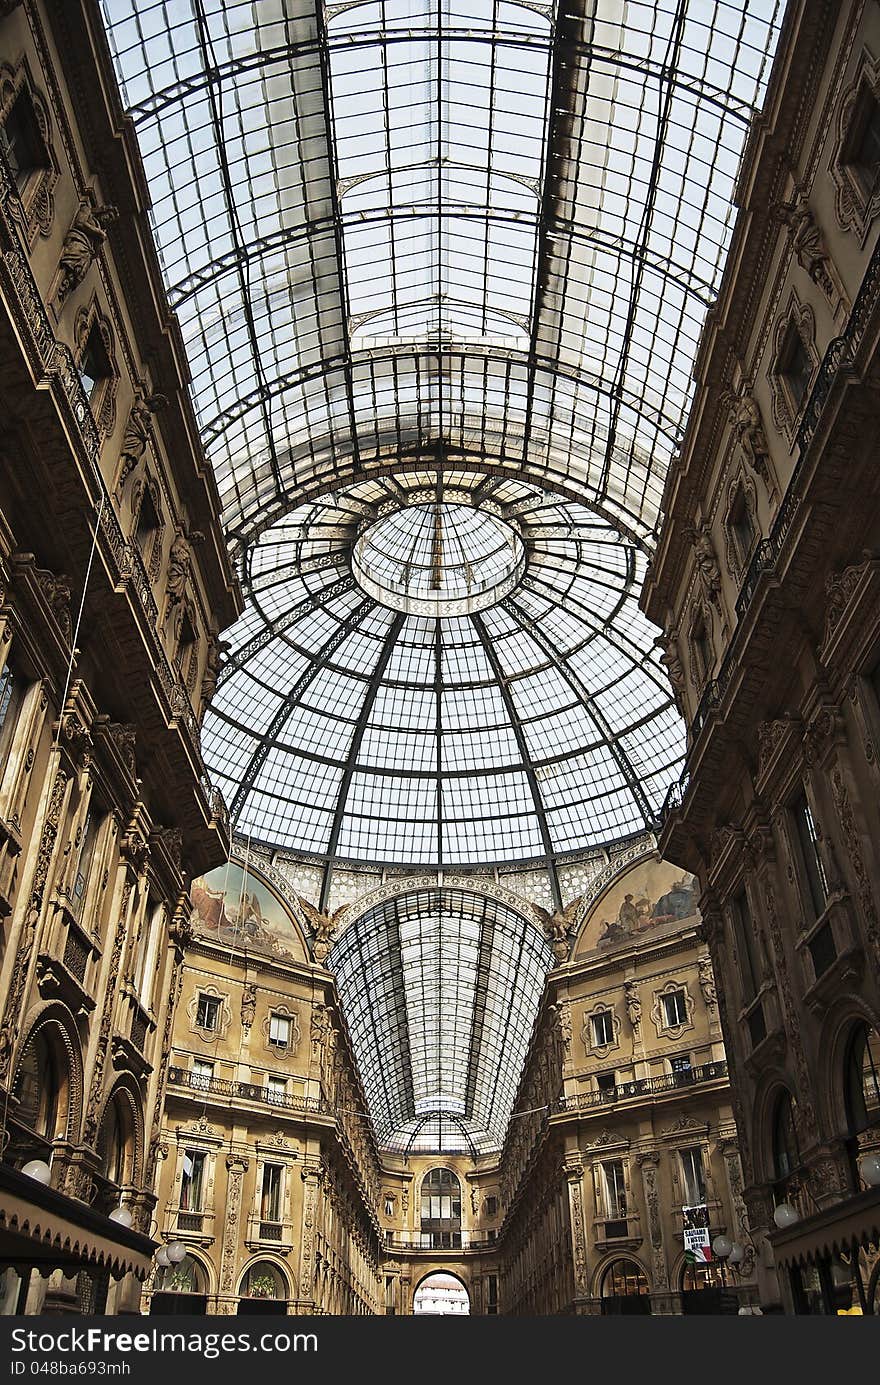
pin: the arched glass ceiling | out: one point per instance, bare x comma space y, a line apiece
441, 229
345, 727
440, 989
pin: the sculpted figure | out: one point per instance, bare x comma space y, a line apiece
82, 244
807, 241
137, 434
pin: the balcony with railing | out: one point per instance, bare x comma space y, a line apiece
225, 1090
269, 1234
641, 1087
450, 1243
837, 366
188, 1224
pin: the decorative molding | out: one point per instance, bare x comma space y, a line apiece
855, 205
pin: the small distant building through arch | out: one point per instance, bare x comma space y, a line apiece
441, 1295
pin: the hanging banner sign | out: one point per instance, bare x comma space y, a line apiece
697, 1246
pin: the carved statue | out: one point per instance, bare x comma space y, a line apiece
557, 927
137, 433
82, 244
248, 1006
179, 565
707, 561
807, 241
669, 657
745, 417
633, 1003
475, 1200
216, 649
323, 927
707, 980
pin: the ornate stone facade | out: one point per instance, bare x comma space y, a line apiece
777, 813
103, 817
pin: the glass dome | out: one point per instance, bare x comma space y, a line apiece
528, 717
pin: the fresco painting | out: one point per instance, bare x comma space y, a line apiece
238, 908
652, 893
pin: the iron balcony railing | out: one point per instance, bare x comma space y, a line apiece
840, 353
645, 1086
245, 1091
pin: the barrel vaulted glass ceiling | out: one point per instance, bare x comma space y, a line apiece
441, 268
438, 237
440, 989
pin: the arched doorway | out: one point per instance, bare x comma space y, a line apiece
702, 1287
441, 1295
625, 1288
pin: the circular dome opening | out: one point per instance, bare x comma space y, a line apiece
439, 558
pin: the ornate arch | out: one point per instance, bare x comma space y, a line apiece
797, 318
855, 206
103, 399
611, 1257
737, 559
281, 1267
837, 1029
126, 1091
64, 1036
37, 198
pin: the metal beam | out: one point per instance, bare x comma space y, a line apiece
318, 664
525, 755
354, 747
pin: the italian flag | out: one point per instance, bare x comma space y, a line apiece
701, 1256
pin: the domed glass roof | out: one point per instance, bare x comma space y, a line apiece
529, 716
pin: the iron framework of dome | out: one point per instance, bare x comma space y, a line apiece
441, 269
526, 717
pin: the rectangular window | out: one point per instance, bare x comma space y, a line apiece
607, 1083
613, 1190
202, 1072
681, 1069
862, 150
270, 1193
808, 840
94, 366
208, 1012
741, 527
491, 1293
693, 1181
603, 1029
757, 1025
795, 366
279, 1031
822, 949
192, 1183
746, 946
674, 1009
491, 1206
276, 1090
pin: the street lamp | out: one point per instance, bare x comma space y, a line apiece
176, 1252
38, 1170
785, 1215
869, 1168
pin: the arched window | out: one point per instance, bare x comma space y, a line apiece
862, 1096
181, 1288
115, 1147
262, 1283
786, 1155
441, 1211
41, 1087
862, 1078
625, 1288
